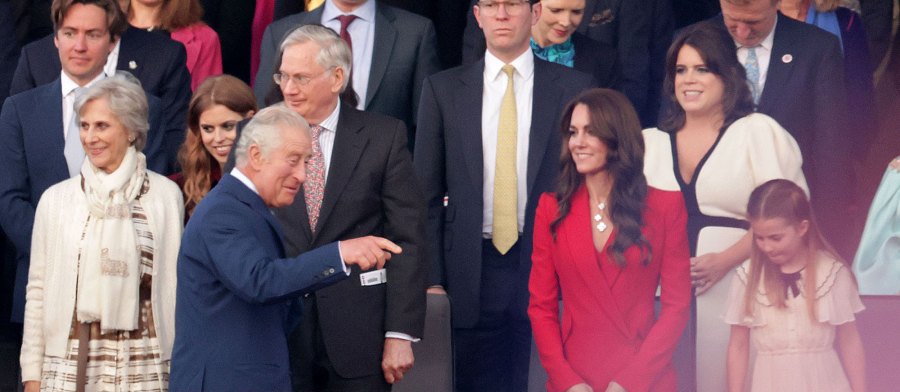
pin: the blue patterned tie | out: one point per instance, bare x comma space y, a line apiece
73, 151
751, 65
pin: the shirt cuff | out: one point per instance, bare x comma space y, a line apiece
400, 335
341, 254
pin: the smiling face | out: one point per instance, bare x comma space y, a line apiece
558, 20
217, 131
317, 98
83, 42
588, 151
278, 177
781, 241
104, 138
507, 26
751, 23
698, 90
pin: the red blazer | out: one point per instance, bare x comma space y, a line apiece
609, 331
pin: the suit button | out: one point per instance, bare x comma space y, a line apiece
331, 270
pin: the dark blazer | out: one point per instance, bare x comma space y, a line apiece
371, 189
158, 62
31, 160
9, 50
449, 162
233, 288
233, 21
805, 93
405, 53
597, 59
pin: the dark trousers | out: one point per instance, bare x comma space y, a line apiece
311, 369
494, 354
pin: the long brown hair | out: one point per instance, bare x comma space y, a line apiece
783, 199
196, 162
613, 121
717, 50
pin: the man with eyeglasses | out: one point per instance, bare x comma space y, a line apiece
487, 147
356, 335
392, 52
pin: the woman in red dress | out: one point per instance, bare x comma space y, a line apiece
605, 242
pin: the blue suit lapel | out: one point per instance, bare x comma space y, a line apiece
385, 35
51, 126
243, 194
779, 71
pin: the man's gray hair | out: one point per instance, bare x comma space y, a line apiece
127, 101
334, 51
264, 130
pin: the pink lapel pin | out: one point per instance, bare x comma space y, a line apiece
787, 59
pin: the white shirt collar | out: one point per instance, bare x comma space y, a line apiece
69, 85
236, 173
330, 123
524, 64
365, 12
767, 42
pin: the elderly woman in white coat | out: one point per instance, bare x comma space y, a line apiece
100, 300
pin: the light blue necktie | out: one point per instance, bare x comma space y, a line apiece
751, 65
73, 151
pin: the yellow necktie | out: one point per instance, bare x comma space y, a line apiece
313, 4
506, 230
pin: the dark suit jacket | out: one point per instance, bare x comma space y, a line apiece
233, 288
449, 161
371, 189
621, 24
9, 50
805, 93
31, 160
159, 63
405, 53
233, 21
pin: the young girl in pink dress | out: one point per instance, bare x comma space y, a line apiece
792, 299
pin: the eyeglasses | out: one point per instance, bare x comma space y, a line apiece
513, 7
282, 79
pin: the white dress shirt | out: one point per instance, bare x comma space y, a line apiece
763, 56
494, 89
68, 94
362, 33
113, 59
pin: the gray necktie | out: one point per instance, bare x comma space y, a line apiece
751, 65
74, 152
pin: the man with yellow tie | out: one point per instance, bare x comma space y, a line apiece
487, 146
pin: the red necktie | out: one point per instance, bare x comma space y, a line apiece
314, 187
345, 22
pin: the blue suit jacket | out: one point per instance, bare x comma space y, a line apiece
31, 160
158, 62
233, 290
449, 161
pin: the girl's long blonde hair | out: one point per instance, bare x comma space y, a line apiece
783, 199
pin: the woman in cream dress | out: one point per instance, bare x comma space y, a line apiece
715, 150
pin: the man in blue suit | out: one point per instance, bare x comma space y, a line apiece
479, 230
157, 61
234, 284
38, 125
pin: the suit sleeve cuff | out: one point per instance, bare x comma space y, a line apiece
400, 335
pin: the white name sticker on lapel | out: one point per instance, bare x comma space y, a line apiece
373, 278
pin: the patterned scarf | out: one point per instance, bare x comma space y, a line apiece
563, 53
109, 265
